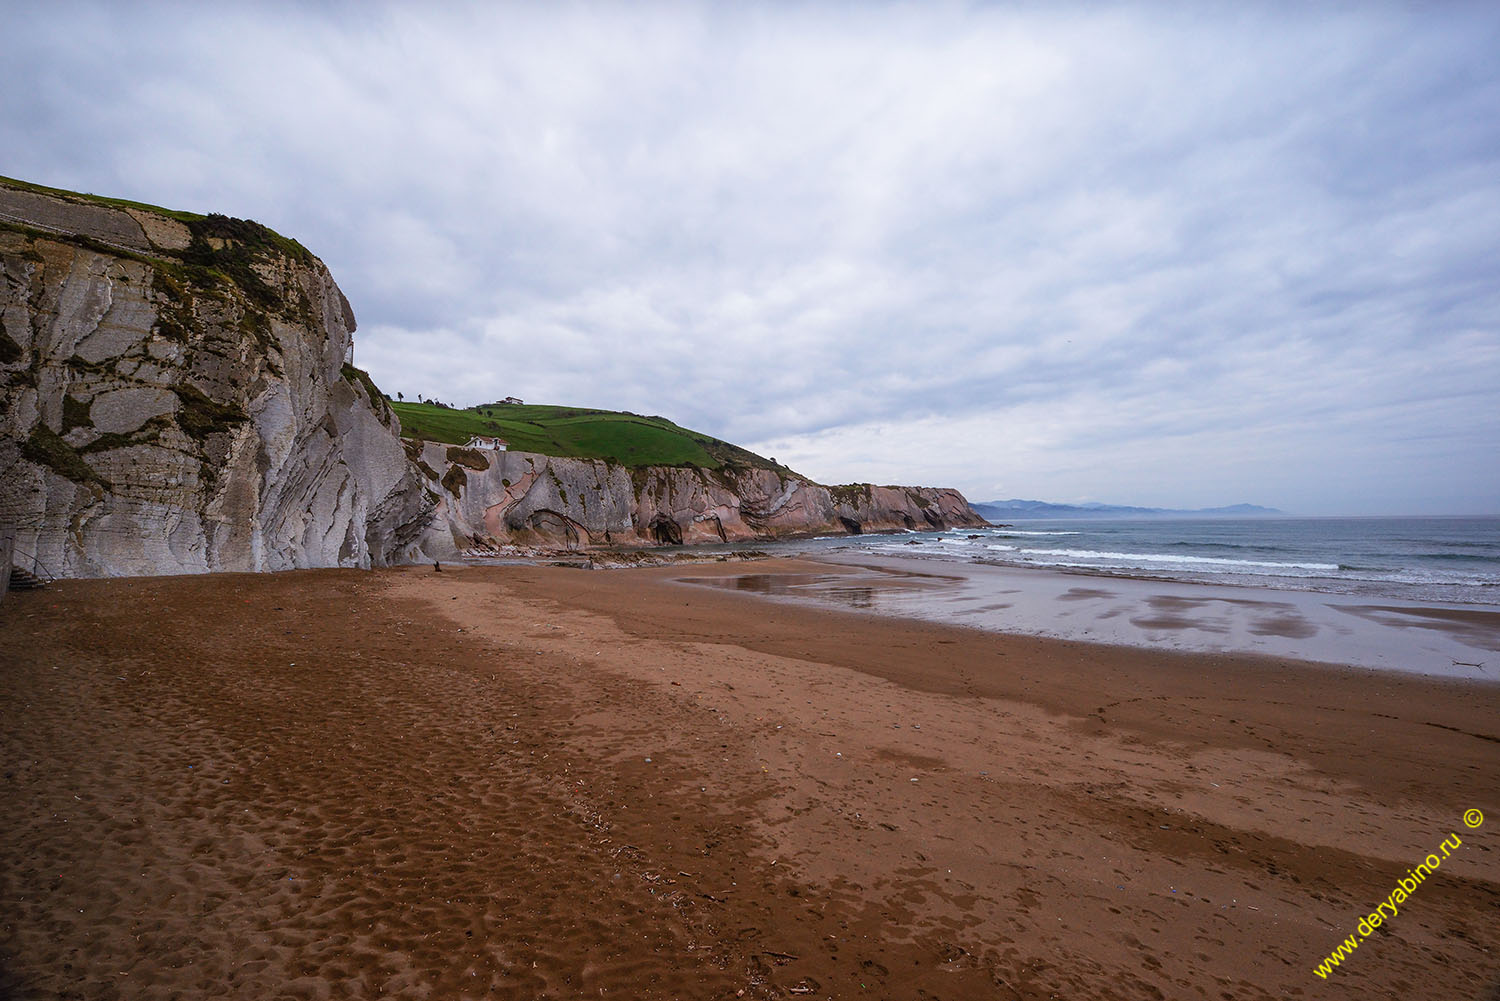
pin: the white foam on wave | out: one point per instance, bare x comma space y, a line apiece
1413, 575
1135, 558
1017, 531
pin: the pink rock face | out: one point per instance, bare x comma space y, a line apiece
537, 500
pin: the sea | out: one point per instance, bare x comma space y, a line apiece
1431, 559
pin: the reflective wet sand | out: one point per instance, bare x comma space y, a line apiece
1452, 641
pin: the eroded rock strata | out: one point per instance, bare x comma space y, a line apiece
175, 397
490, 497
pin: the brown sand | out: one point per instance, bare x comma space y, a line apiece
408, 784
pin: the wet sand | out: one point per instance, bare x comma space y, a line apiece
522, 782
1456, 641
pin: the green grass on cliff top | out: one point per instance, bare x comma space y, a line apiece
576, 432
79, 196
199, 224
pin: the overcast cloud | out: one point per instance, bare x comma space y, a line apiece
1143, 255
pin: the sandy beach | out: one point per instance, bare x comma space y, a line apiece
527, 782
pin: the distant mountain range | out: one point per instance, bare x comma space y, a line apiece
1016, 510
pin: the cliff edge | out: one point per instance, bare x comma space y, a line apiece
174, 398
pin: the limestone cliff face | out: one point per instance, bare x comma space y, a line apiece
491, 498
174, 399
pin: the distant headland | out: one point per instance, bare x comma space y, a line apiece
1016, 510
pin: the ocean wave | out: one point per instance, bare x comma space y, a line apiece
1321, 577
1195, 572
1451, 543
1461, 557
1135, 558
1230, 545
1007, 532
1339, 558
1415, 575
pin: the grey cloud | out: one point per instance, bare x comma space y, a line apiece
1147, 255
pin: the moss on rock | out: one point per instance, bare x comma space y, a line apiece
200, 416
75, 414
852, 494
362, 377
471, 457
174, 316
46, 447
10, 351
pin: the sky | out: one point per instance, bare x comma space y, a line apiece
1160, 254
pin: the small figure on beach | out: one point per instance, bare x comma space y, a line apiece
437, 567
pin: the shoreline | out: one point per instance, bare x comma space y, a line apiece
1437, 639
932, 547
517, 781
1414, 559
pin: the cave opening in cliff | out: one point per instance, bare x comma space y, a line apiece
666, 531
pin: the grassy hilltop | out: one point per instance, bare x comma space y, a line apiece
223, 251
118, 203
577, 432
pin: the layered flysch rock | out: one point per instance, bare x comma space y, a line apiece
492, 498
174, 399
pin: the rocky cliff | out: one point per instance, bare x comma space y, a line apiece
492, 498
174, 398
